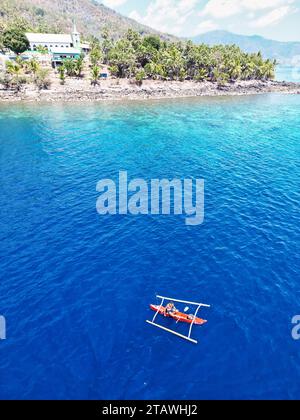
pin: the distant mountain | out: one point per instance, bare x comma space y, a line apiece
284, 52
57, 16
91, 17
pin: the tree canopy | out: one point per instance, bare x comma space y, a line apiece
183, 60
15, 40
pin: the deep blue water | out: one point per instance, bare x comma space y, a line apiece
75, 286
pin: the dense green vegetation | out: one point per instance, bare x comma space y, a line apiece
149, 57
15, 40
21, 72
72, 67
143, 57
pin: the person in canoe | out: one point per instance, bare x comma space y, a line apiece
170, 309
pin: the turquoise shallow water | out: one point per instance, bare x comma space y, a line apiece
75, 287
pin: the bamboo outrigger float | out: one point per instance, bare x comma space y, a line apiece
178, 316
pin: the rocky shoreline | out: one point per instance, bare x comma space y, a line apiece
81, 90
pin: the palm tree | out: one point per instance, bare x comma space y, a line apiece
107, 44
41, 79
62, 74
96, 55
33, 66
70, 66
173, 62
268, 70
234, 70
19, 61
140, 76
16, 73
79, 66
124, 57
178, 61
95, 74
155, 70
201, 75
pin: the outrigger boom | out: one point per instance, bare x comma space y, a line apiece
191, 320
183, 301
173, 332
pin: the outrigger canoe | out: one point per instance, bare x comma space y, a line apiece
178, 316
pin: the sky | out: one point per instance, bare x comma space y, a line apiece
274, 19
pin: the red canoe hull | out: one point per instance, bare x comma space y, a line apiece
178, 316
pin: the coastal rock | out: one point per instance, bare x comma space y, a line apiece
81, 90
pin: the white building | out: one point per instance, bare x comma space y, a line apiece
51, 41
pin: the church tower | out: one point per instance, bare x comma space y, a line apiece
75, 37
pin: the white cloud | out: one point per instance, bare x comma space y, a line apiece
205, 26
272, 17
258, 5
221, 9
114, 3
176, 16
167, 15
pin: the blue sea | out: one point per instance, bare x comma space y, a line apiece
288, 73
75, 287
